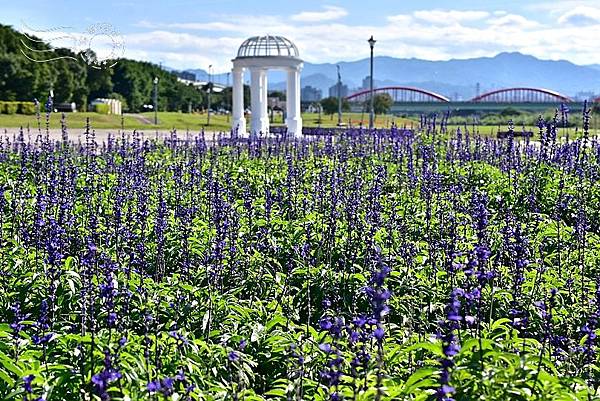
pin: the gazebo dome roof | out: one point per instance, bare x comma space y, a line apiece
268, 46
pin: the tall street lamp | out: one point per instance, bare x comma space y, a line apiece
155, 100
339, 96
209, 92
228, 102
371, 111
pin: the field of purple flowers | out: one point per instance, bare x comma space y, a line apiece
385, 265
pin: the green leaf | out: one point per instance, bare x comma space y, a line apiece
9, 365
6, 378
276, 392
435, 348
416, 379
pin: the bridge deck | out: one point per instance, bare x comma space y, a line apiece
465, 107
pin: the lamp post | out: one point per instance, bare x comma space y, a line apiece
209, 92
155, 100
339, 96
228, 102
371, 111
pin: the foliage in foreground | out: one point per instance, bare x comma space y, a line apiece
371, 266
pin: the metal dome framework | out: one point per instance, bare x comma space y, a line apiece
268, 46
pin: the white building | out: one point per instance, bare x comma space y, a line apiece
114, 105
258, 54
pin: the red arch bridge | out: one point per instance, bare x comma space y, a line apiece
400, 94
410, 99
522, 95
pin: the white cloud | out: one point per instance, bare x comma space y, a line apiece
462, 34
447, 17
194, 26
558, 7
581, 15
329, 13
513, 21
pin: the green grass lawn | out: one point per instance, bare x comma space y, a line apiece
492, 130
166, 121
197, 122
181, 121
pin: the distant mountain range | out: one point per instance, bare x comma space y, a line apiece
456, 79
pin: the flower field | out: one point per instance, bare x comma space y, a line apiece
391, 265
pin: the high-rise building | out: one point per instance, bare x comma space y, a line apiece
366, 84
333, 90
584, 95
311, 94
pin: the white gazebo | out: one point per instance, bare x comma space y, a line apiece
259, 54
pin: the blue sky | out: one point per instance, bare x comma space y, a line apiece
194, 34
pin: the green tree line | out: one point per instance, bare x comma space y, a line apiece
131, 81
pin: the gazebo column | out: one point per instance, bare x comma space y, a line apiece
239, 122
260, 117
292, 104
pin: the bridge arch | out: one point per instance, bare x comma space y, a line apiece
522, 95
400, 94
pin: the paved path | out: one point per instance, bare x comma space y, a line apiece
76, 134
140, 118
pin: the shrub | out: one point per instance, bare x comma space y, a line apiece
101, 108
11, 107
510, 111
27, 108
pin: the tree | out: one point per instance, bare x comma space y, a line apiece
330, 105
23, 79
382, 103
278, 94
70, 79
99, 82
510, 111
20, 77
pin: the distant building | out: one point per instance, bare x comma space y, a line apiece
313, 108
366, 84
310, 94
114, 105
581, 96
273, 102
333, 90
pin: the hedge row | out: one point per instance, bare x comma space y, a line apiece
17, 107
101, 108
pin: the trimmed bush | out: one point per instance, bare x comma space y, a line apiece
7, 107
27, 108
101, 108
11, 107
